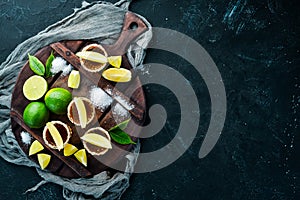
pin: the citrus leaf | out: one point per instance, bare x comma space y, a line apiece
119, 136
36, 65
49, 65
122, 125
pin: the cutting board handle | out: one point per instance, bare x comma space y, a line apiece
132, 28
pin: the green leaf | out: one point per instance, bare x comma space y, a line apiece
49, 65
36, 65
119, 136
122, 125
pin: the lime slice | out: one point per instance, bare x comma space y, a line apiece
44, 160
92, 56
35, 87
115, 61
74, 79
81, 112
69, 149
117, 75
97, 140
81, 156
55, 135
35, 147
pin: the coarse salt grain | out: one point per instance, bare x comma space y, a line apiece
67, 70
99, 98
124, 103
109, 91
26, 138
120, 111
59, 64
120, 100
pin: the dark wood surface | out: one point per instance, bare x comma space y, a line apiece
69, 166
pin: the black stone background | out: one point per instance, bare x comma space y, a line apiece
257, 52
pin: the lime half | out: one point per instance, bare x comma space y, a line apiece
35, 87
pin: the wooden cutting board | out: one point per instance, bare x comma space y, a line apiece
68, 166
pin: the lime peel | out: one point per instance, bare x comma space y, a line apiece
57, 100
36, 65
36, 115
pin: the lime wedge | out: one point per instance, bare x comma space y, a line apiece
55, 135
115, 61
81, 156
81, 112
117, 75
69, 149
35, 147
74, 79
44, 160
36, 65
97, 140
92, 56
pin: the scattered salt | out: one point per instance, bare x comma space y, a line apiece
59, 64
26, 138
120, 100
120, 111
109, 91
124, 103
99, 98
67, 70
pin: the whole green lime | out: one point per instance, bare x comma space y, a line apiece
57, 100
36, 115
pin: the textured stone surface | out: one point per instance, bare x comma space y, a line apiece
255, 45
